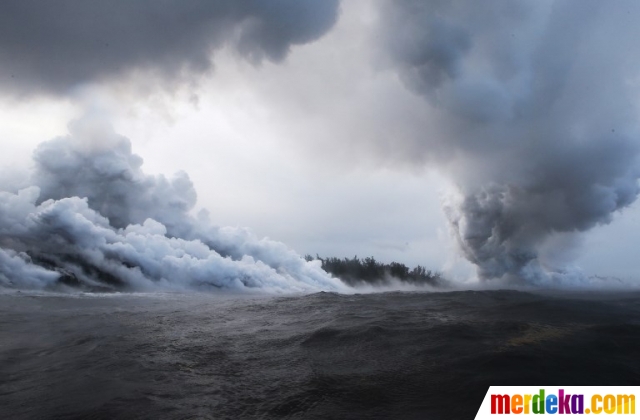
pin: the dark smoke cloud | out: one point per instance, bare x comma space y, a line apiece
53, 46
536, 117
92, 218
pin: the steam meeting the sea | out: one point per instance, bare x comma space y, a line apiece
319, 209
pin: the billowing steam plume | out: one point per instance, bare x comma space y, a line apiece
93, 219
535, 103
533, 113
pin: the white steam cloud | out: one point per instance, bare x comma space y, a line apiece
536, 118
92, 219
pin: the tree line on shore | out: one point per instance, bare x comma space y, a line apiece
354, 271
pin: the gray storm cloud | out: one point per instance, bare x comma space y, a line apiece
532, 112
52, 47
536, 118
91, 218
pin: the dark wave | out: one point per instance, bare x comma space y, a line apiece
321, 356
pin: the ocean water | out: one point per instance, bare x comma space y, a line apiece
321, 356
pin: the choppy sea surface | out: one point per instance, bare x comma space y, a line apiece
321, 356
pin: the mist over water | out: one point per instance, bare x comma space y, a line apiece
91, 218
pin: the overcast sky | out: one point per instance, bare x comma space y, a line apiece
312, 126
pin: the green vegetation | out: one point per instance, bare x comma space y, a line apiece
358, 271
